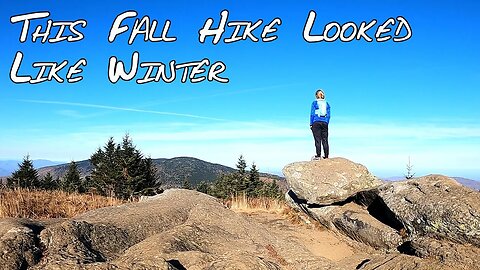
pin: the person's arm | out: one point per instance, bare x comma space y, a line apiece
328, 113
312, 113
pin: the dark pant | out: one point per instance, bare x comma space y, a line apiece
320, 134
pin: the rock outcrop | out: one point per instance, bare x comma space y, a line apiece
328, 181
429, 217
435, 206
353, 220
19, 243
179, 229
425, 223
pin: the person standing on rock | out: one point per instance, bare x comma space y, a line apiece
319, 119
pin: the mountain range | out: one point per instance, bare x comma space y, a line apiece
473, 184
7, 167
171, 172
468, 182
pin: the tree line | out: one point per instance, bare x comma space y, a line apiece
240, 182
120, 170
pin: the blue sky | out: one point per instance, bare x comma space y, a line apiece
390, 101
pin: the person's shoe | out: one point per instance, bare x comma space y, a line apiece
325, 157
316, 158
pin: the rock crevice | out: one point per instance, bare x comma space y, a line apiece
421, 217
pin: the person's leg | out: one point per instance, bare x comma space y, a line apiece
316, 136
324, 139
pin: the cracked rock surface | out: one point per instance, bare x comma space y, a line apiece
430, 217
179, 229
327, 181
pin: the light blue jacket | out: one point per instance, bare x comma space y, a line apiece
320, 111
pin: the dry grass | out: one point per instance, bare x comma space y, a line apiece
242, 203
24, 203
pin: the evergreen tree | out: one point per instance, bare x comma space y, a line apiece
132, 166
121, 170
148, 183
106, 173
71, 181
203, 187
238, 181
88, 185
186, 184
241, 181
48, 183
272, 190
410, 174
254, 184
25, 177
242, 166
224, 186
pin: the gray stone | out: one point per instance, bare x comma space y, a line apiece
435, 206
179, 229
19, 247
328, 181
446, 251
352, 220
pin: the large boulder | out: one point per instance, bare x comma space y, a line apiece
328, 181
432, 217
352, 220
179, 229
435, 206
19, 246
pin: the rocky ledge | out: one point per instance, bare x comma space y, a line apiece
179, 229
428, 217
427, 223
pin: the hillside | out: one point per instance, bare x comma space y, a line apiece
473, 184
468, 183
171, 172
9, 166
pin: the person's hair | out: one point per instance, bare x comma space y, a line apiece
318, 92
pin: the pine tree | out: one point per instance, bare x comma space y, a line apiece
272, 190
203, 187
25, 177
132, 166
148, 184
106, 173
121, 170
410, 174
186, 184
72, 181
242, 166
239, 179
223, 187
88, 185
48, 183
241, 182
254, 184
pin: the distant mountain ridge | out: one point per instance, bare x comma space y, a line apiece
473, 184
468, 182
171, 172
7, 167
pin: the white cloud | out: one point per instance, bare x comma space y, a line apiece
116, 108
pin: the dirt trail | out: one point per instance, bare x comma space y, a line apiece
320, 242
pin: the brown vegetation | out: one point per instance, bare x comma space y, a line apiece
242, 203
245, 203
25, 203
